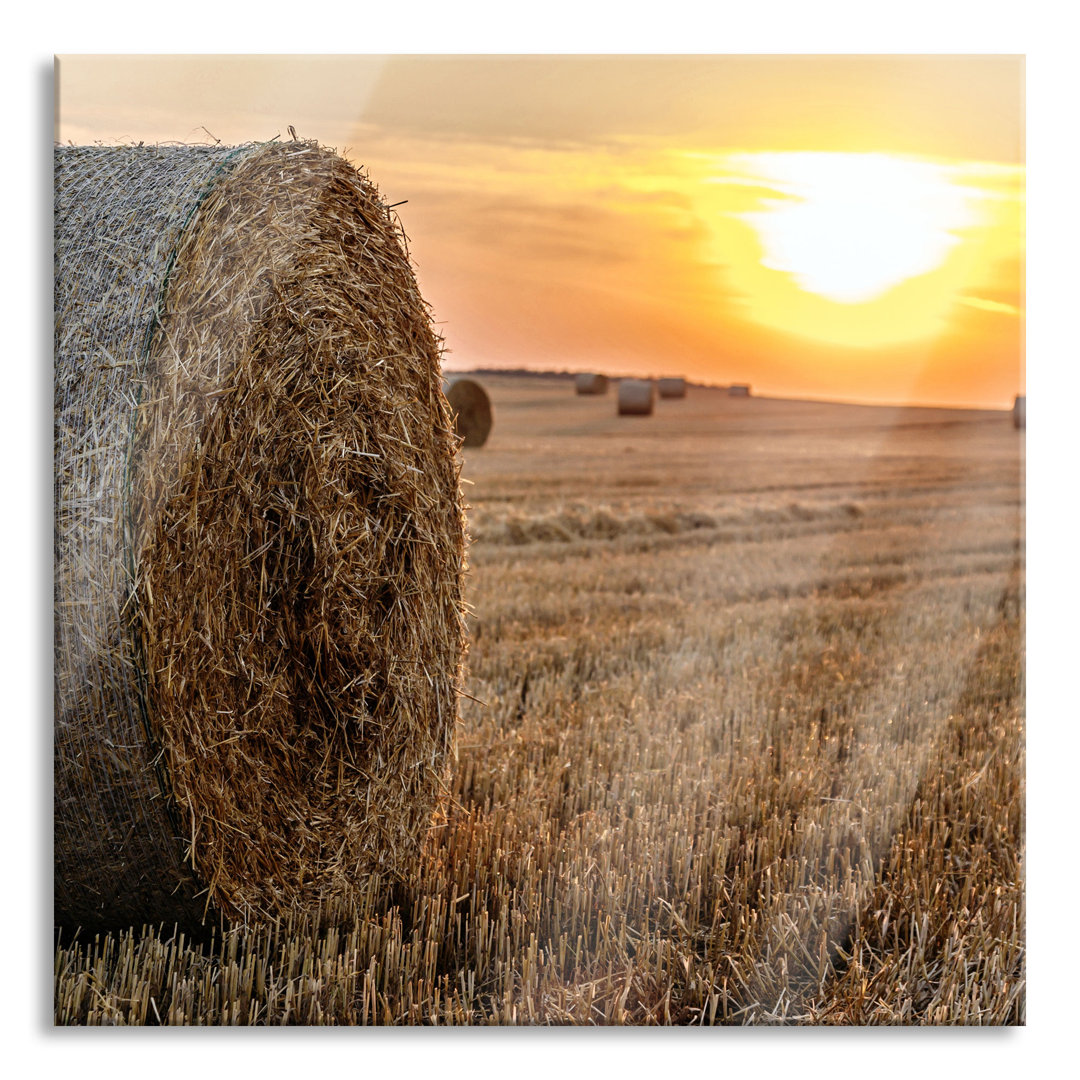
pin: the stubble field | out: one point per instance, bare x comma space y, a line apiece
744, 742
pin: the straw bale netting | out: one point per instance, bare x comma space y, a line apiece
1019, 411
671, 387
589, 383
739, 390
258, 537
636, 397
471, 408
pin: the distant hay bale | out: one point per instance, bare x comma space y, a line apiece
671, 387
589, 383
258, 537
636, 397
1019, 411
471, 409
738, 390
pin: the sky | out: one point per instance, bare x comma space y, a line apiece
844, 227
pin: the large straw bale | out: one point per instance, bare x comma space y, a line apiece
671, 387
636, 397
1019, 411
586, 382
471, 408
258, 537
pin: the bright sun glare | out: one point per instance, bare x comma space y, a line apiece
851, 226
859, 250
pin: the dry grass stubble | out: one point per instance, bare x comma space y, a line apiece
765, 769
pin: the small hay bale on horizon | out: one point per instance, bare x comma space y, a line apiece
586, 382
672, 387
471, 409
636, 397
259, 538
1019, 411
738, 390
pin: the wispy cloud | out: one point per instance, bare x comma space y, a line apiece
989, 305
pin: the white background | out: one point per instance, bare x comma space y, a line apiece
1043, 31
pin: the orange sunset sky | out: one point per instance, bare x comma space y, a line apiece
843, 227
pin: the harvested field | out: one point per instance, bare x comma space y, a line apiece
744, 742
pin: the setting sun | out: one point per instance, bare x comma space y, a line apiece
851, 226
860, 250
839, 227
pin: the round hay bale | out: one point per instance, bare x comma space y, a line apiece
1019, 411
636, 397
589, 383
671, 387
258, 537
471, 408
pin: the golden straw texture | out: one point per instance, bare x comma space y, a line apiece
471, 407
259, 537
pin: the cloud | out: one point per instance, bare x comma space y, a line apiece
740, 195
573, 233
989, 305
957, 106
